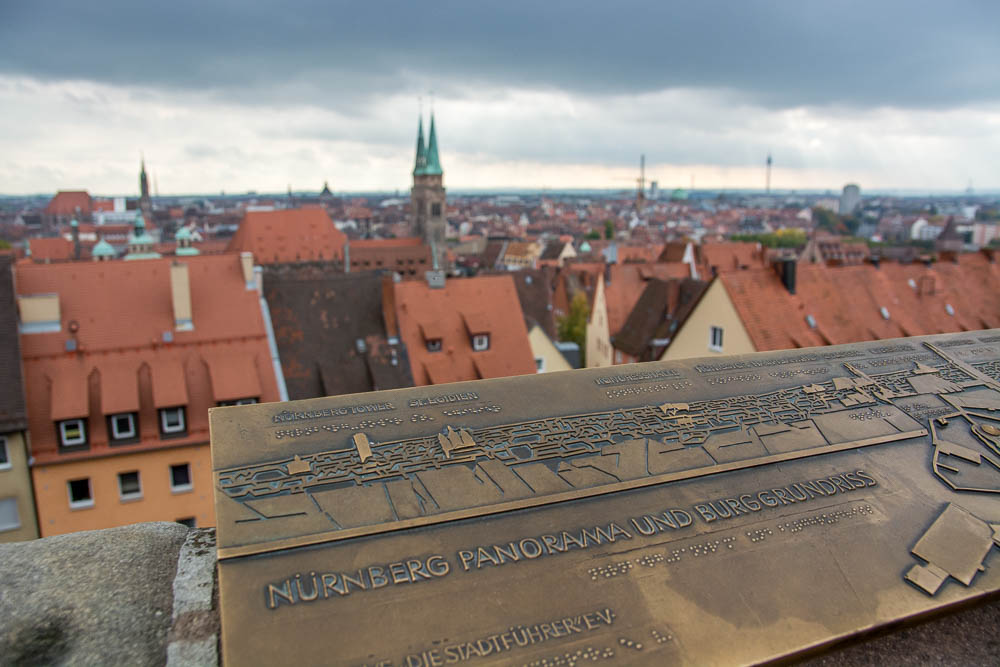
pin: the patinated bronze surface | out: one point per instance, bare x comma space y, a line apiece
724, 510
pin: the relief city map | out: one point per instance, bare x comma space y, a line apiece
722, 510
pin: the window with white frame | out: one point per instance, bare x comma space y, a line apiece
172, 421
10, 519
80, 494
180, 477
4, 454
434, 345
72, 432
239, 401
539, 364
129, 486
715, 339
481, 342
123, 426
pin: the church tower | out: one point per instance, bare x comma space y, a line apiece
427, 196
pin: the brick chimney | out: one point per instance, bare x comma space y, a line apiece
246, 263
785, 267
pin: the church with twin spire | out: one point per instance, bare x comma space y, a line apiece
427, 197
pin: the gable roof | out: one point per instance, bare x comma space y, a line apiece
659, 312
127, 346
52, 248
731, 256
66, 202
493, 298
846, 302
319, 316
552, 250
626, 283
534, 293
289, 235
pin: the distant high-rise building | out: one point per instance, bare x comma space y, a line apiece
850, 199
767, 184
145, 203
427, 196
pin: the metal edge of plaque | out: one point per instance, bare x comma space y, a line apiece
330, 471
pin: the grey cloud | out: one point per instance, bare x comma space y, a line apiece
771, 53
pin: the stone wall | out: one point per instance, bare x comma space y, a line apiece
146, 595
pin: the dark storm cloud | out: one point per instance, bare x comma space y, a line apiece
794, 52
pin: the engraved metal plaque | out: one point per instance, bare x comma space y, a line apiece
724, 510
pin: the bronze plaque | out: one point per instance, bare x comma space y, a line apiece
723, 510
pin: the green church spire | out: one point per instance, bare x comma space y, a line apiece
421, 163
433, 161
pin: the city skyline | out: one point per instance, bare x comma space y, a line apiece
525, 97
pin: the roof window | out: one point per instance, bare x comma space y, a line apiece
72, 432
885, 312
39, 313
912, 283
948, 309
811, 321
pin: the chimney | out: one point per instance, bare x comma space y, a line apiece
246, 263
786, 271
180, 292
607, 274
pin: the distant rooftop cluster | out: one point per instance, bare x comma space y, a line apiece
132, 316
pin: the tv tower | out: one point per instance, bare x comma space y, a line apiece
640, 194
768, 182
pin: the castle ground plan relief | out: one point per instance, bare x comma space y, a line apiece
722, 510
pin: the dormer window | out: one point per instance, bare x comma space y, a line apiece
481, 342
238, 401
123, 426
434, 345
172, 422
73, 432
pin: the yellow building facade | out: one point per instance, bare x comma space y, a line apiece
712, 328
17, 502
169, 484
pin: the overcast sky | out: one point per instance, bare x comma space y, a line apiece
239, 95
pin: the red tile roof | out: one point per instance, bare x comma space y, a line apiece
290, 235
639, 253
66, 202
489, 301
409, 256
122, 310
55, 248
628, 281
846, 301
731, 256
